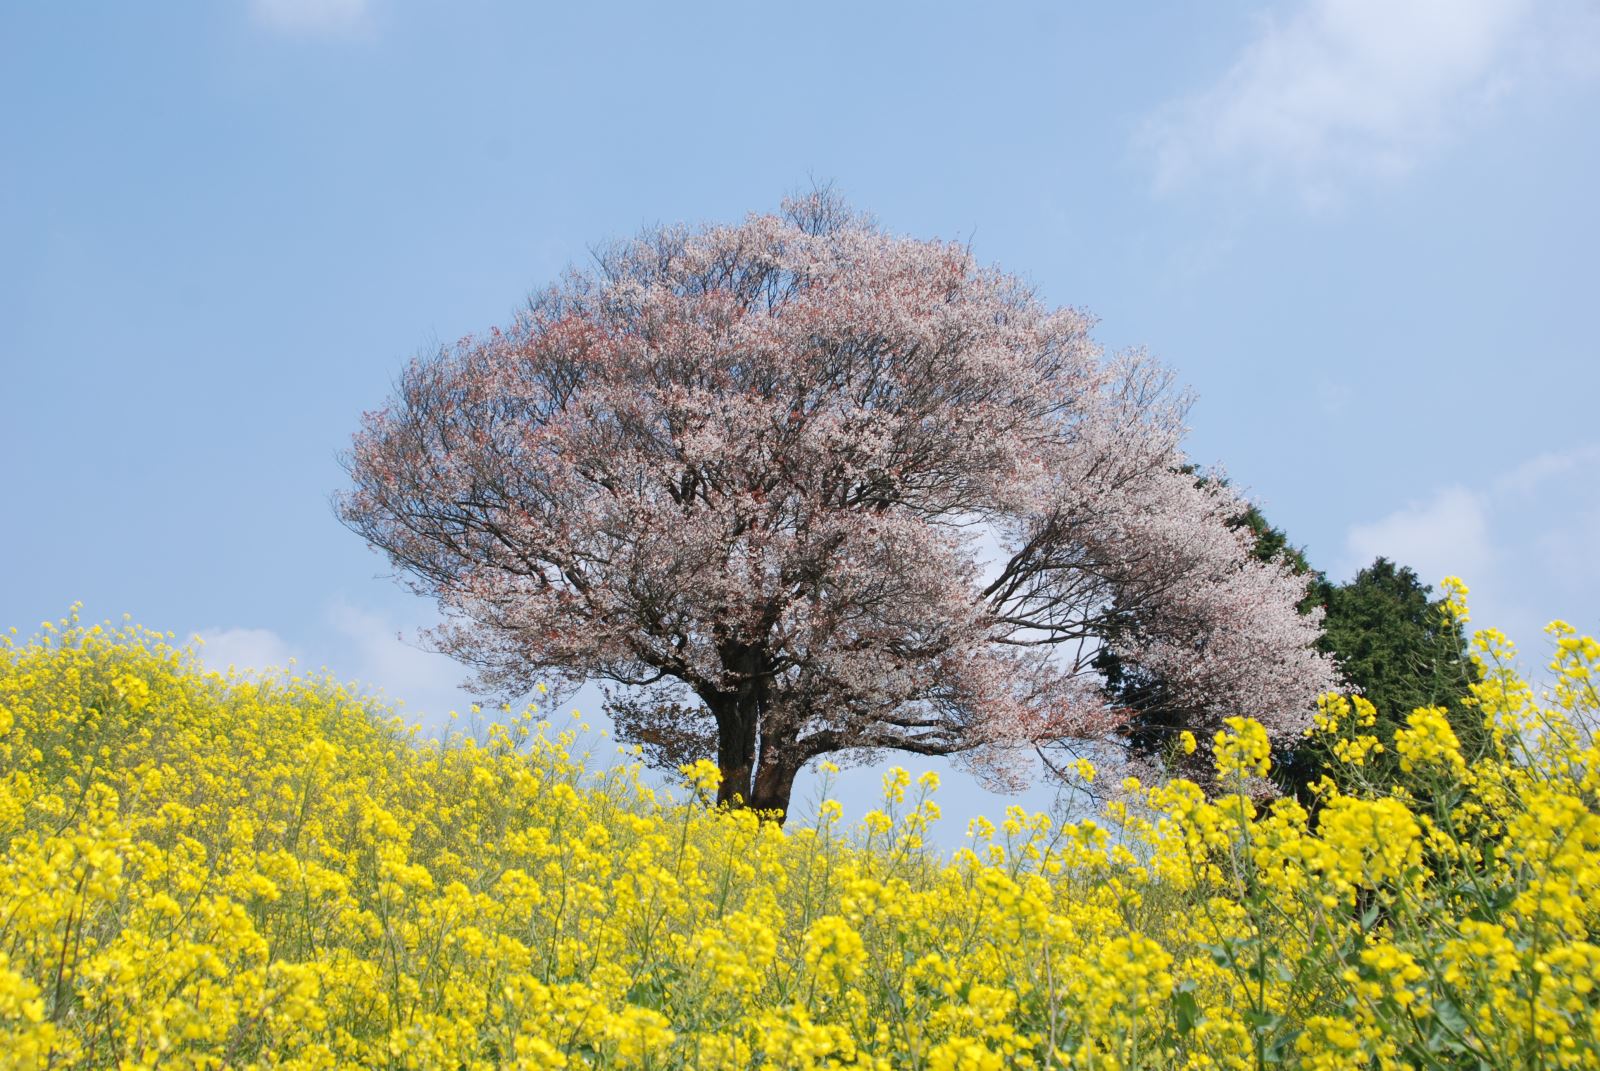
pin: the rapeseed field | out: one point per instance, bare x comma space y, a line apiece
199, 871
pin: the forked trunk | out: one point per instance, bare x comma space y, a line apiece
736, 756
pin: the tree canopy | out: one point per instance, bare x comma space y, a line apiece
748, 471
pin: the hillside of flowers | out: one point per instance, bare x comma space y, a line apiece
199, 871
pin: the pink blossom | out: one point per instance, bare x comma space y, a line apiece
742, 470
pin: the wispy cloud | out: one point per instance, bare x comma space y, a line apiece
377, 649
1526, 479
1346, 90
311, 16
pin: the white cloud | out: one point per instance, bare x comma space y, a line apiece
381, 657
365, 648
253, 651
1357, 89
311, 16
1523, 540
1447, 534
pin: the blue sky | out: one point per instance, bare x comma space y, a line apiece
1363, 232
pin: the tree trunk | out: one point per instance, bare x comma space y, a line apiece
736, 751
774, 785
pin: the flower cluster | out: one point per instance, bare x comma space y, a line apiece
199, 871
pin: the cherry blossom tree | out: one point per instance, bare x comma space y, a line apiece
809, 488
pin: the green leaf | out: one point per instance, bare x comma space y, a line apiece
1221, 954
1261, 1021
1445, 1010
1185, 1011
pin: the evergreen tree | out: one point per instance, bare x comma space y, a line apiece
1387, 633
1392, 640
